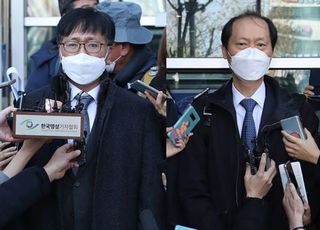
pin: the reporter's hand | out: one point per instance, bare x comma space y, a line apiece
308, 91
307, 214
5, 131
293, 207
258, 185
172, 149
28, 149
306, 150
6, 155
61, 161
159, 103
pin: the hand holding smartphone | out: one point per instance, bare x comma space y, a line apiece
140, 86
184, 125
291, 172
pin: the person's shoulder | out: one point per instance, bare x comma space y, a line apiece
48, 50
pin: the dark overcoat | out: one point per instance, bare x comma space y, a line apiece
124, 149
213, 166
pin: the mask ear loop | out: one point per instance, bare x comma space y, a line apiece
229, 53
107, 53
117, 58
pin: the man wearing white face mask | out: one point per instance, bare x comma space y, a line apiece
119, 178
241, 119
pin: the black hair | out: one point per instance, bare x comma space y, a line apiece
227, 29
86, 20
65, 6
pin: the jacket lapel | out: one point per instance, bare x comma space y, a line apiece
102, 117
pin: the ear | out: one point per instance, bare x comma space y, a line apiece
224, 52
125, 49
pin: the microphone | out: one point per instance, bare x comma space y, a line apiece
7, 83
147, 220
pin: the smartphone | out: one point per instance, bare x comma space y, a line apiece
314, 80
180, 227
291, 172
293, 126
290, 175
140, 86
184, 125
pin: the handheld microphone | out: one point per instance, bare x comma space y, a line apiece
7, 83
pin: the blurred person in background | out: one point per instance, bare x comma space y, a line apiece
130, 59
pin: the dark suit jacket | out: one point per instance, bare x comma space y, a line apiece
20, 192
212, 168
126, 142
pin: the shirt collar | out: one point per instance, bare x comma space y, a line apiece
75, 90
259, 96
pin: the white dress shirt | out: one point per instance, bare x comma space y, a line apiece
92, 108
259, 96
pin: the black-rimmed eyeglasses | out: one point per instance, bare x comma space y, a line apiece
74, 46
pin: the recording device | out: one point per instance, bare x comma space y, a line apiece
314, 80
80, 144
291, 172
141, 87
180, 227
184, 125
293, 126
17, 87
254, 157
48, 118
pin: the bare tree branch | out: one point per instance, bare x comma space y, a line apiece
203, 6
209, 50
171, 4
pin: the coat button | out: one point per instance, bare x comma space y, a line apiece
76, 184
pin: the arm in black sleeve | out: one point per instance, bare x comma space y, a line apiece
21, 191
252, 215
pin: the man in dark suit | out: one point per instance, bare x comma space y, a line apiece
119, 178
238, 120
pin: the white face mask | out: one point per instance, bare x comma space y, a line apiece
111, 66
83, 68
250, 64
